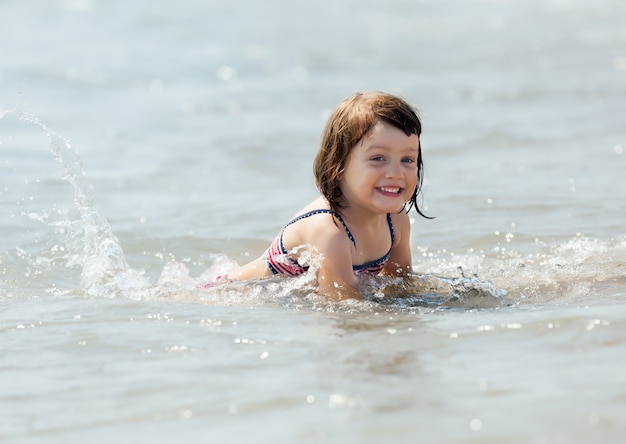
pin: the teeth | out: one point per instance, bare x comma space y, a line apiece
390, 189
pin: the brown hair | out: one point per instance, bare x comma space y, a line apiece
350, 121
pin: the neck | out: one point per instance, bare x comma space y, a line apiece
362, 217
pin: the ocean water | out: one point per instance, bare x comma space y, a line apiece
148, 145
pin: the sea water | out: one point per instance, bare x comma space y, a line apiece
146, 145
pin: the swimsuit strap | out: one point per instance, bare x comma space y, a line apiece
378, 264
393, 235
339, 218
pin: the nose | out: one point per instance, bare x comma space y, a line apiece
394, 170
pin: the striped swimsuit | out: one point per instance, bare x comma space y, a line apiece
279, 261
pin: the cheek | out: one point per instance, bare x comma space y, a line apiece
413, 182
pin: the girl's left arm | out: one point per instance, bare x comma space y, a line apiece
400, 262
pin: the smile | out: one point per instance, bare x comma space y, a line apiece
390, 190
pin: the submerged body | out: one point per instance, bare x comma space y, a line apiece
362, 225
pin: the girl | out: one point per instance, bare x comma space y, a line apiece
369, 173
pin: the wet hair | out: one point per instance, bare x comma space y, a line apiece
351, 120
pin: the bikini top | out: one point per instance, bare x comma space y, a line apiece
280, 262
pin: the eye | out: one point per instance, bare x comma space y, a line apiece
377, 158
408, 160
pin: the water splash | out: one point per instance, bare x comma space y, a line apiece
580, 269
105, 271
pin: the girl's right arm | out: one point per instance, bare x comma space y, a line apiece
335, 278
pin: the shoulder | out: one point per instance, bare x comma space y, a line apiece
315, 225
318, 229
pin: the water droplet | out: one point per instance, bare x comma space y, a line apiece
226, 73
476, 424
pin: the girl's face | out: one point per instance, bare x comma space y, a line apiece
381, 171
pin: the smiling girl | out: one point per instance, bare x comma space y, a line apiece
369, 173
